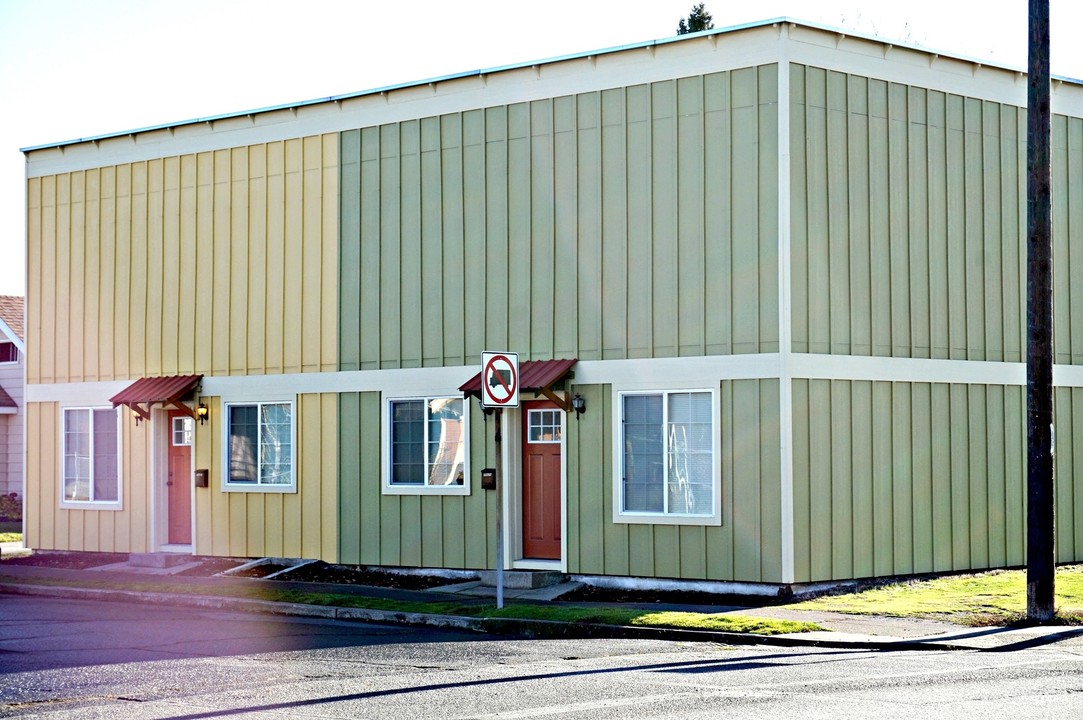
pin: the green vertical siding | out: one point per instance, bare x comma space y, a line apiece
901, 478
459, 531
1069, 474
582, 225
908, 222
746, 547
407, 530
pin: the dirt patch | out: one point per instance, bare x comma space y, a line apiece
209, 566
66, 560
356, 575
259, 571
589, 593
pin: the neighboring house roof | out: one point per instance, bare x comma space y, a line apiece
6, 400
12, 322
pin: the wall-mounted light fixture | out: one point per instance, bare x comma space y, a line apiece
485, 411
137, 418
202, 412
579, 404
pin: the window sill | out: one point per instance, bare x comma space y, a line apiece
90, 505
281, 489
426, 490
660, 519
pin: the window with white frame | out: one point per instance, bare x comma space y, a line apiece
427, 445
259, 454
91, 463
9, 353
668, 456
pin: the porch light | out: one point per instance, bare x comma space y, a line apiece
202, 412
579, 404
137, 418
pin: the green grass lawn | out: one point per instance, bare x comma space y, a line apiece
607, 616
993, 597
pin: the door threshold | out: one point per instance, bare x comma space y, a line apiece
532, 564
180, 549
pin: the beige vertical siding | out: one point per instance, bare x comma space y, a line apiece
902, 478
634, 222
270, 524
219, 263
50, 527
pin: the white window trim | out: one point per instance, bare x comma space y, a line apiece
227, 486
18, 353
531, 413
648, 518
112, 505
385, 447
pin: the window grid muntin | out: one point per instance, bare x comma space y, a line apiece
543, 426
182, 432
258, 471
421, 454
666, 453
96, 464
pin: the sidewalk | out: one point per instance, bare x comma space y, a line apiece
161, 586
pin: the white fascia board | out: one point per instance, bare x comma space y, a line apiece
646, 374
923, 68
632, 66
6, 330
888, 369
86, 394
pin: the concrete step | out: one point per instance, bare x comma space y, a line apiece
527, 579
158, 560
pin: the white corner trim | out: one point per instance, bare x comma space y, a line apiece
785, 311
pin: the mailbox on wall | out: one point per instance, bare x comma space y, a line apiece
488, 479
203, 478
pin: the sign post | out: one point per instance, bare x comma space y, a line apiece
499, 389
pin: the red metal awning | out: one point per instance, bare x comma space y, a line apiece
537, 376
144, 393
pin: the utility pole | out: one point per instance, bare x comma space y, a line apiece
1041, 559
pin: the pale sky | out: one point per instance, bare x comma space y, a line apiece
79, 68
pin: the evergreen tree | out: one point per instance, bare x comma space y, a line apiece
697, 20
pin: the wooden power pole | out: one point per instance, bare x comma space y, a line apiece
1041, 560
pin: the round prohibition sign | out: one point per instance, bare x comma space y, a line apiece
499, 380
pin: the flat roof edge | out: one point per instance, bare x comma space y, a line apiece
526, 64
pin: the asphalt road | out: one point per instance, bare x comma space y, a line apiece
78, 659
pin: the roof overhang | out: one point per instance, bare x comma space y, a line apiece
537, 376
147, 392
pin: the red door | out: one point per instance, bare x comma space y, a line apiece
541, 480
179, 480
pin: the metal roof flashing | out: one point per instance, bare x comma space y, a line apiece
527, 64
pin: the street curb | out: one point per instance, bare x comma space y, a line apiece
526, 628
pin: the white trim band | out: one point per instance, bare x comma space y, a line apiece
647, 373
